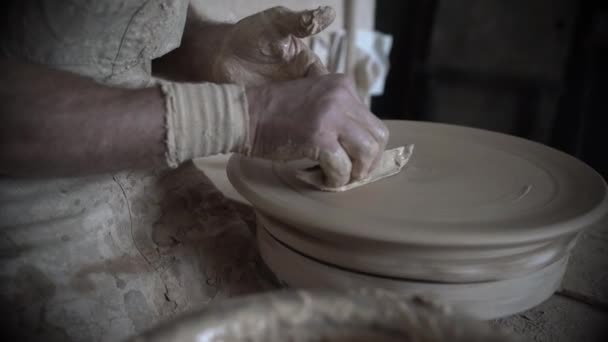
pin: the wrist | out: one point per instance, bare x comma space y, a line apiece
204, 119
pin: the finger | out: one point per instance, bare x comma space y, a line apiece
381, 136
361, 114
376, 162
376, 127
301, 24
379, 131
362, 149
336, 166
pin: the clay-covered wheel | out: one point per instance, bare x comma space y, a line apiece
296, 315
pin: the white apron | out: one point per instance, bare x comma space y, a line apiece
103, 257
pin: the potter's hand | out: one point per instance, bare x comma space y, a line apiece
266, 47
319, 118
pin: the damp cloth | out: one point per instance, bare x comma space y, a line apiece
392, 163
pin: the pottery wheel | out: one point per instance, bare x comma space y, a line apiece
470, 205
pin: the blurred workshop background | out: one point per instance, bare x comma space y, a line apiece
531, 68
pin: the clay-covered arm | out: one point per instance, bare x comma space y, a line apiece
58, 123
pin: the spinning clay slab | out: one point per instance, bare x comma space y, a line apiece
481, 300
462, 187
426, 263
479, 220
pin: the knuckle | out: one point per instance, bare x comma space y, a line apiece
383, 133
372, 150
336, 166
365, 149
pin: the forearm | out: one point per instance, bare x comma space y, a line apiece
57, 123
193, 60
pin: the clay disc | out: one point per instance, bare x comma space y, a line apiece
424, 263
461, 187
481, 300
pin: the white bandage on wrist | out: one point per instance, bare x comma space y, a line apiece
204, 119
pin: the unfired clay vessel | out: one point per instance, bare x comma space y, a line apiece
480, 300
470, 208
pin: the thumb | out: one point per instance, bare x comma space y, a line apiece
336, 166
303, 23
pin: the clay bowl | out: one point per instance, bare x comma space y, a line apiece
322, 316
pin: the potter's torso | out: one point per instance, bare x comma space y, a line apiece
105, 256
111, 41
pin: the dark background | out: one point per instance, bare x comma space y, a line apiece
531, 68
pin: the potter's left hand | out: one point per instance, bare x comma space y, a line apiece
267, 47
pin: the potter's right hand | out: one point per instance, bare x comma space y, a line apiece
319, 118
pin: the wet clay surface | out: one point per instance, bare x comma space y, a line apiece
297, 315
461, 187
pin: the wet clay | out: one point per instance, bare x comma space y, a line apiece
392, 163
297, 315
